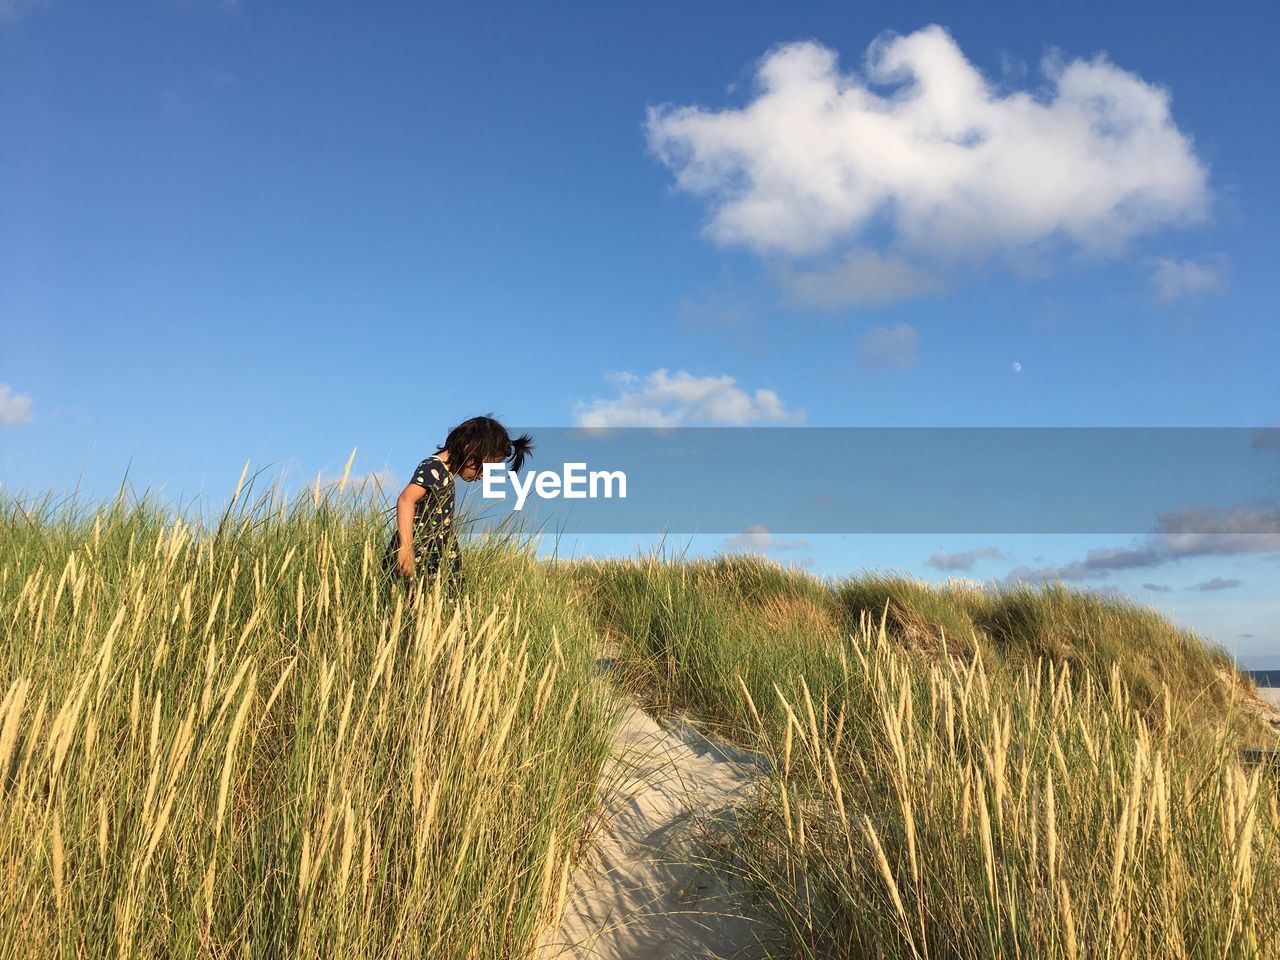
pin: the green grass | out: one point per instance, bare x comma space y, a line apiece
1016, 626
231, 739
690, 624
237, 742
962, 773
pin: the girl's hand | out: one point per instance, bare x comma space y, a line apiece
406, 563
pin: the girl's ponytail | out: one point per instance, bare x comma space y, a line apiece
521, 447
483, 439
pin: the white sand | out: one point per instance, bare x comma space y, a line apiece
1271, 695
636, 894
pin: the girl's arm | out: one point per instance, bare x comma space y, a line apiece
409, 496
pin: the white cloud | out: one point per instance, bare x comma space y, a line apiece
14, 407
966, 560
889, 348
863, 277
373, 481
1179, 279
756, 538
384, 480
950, 165
663, 399
15, 9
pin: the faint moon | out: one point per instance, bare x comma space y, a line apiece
1016, 367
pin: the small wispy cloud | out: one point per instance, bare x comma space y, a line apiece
1158, 587
225, 6
11, 10
757, 538
1183, 534
15, 407
889, 348
862, 278
662, 399
965, 560
1265, 438
1217, 583
374, 481
1176, 280
717, 313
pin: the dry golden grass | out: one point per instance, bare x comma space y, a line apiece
943, 814
235, 740
1036, 797
241, 742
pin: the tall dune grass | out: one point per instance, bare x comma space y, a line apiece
687, 624
232, 739
1023, 795
926, 811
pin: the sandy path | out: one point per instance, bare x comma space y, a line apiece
639, 892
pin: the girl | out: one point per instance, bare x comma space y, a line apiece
424, 538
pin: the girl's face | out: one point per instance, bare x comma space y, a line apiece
473, 471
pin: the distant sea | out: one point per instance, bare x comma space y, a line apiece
1266, 678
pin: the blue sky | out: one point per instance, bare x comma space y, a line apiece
276, 232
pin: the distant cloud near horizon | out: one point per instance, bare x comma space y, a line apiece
663, 399
1217, 583
1243, 531
1265, 438
965, 560
758, 538
920, 149
1157, 587
385, 480
15, 408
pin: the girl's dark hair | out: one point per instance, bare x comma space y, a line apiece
484, 438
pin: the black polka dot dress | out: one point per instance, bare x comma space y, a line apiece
435, 545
